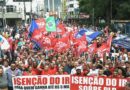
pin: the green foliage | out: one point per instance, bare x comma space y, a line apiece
117, 9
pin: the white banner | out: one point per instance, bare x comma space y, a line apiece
44, 82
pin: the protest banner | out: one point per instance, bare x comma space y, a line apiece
67, 82
97, 83
44, 82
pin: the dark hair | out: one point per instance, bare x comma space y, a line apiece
1, 67
13, 62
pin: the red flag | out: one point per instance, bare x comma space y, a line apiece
102, 49
37, 35
80, 45
41, 23
109, 41
106, 30
62, 44
92, 48
61, 28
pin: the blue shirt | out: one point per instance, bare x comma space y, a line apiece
10, 74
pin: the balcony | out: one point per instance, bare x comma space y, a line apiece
9, 15
9, 12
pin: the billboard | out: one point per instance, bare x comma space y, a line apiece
22, 0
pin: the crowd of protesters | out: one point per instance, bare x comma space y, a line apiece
22, 60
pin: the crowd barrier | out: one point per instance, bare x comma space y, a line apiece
67, 82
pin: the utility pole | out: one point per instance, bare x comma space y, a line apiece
48, 5
111, 9
24, 11
93, 16
30, 11
53, 3
3, 15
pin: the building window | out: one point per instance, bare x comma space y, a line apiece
71, 5
71, 13
11, 8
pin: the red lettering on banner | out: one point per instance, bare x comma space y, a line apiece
57, 80
54, 80
15, 81
28, 81
63, 80
67, 80
51, 80
39, 81
18, 81
23, 81
75, 82
44, 81
34, 81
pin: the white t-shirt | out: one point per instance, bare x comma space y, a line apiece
73, 71
93, 72
5, 68
126, 57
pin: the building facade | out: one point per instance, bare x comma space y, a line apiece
53, 7
72, 6
15, 11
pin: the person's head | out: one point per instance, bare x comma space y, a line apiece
52, 65
127, 86
60, 70
13, 66
78, 71
119, 71
76, 64
106, 66
100, 72
59, 58
46, 67
34, 64
30, 68
30, 61
1, 71
110, 65
115, 73
94, 66
127, 64
85, 67
6, 63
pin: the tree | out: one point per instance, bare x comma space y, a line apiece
106, 9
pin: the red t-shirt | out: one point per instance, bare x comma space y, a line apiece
35, 71
28, 74
112, 70
46, 72
53, 70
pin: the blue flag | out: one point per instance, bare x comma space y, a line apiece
33, 27
123, 43
94, 35
80, 33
